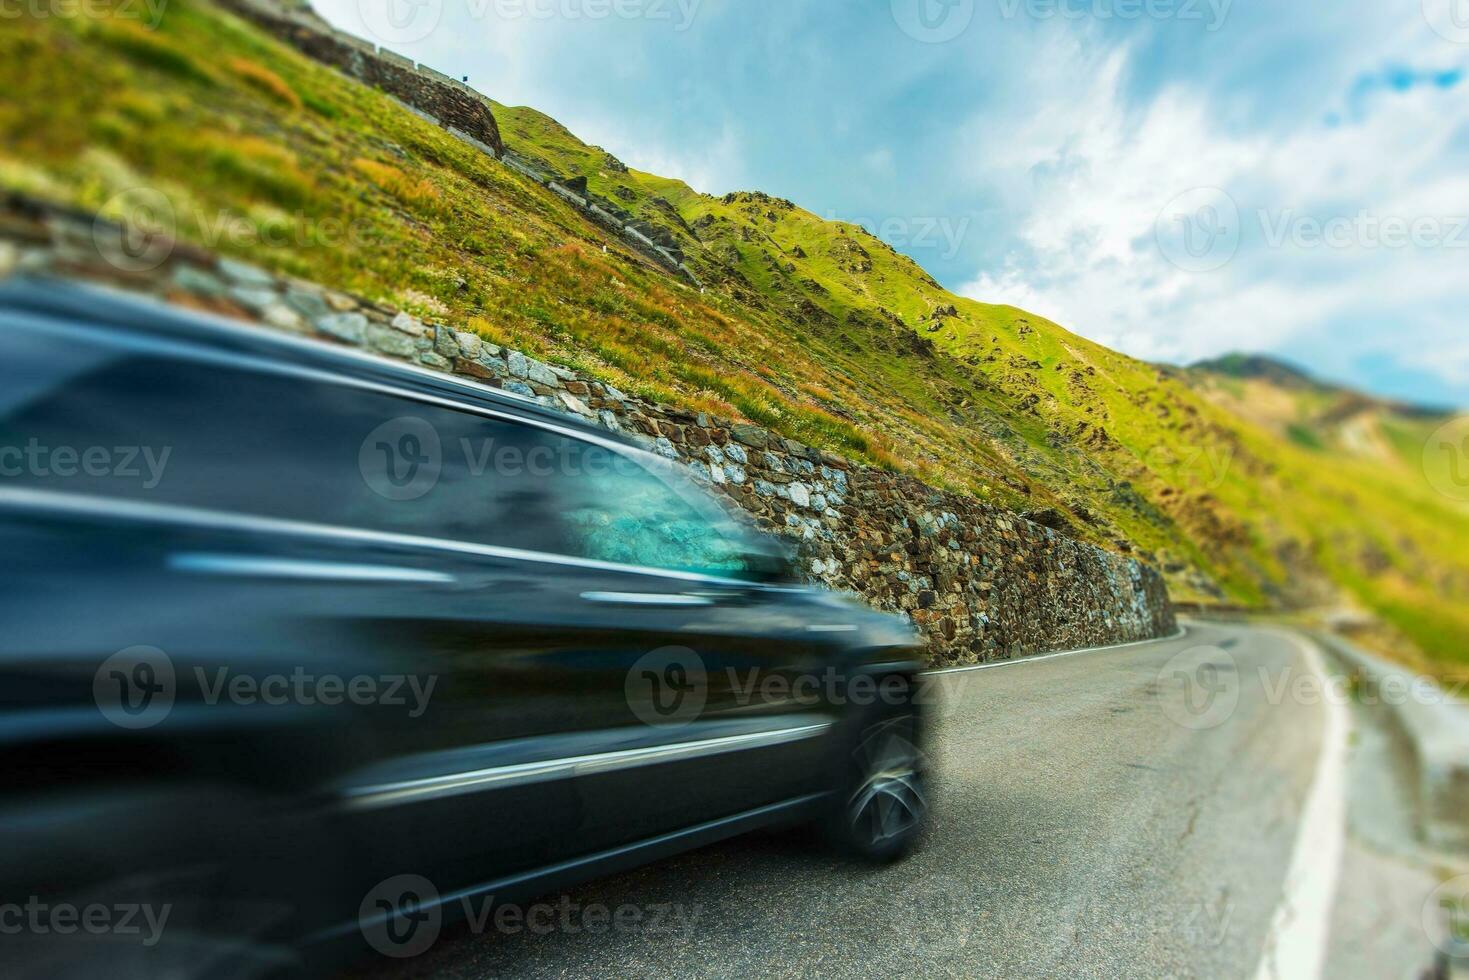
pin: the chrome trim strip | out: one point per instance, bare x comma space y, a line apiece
647, 599
135, 510
288, 568
500, 777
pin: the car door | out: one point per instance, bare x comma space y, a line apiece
604, 674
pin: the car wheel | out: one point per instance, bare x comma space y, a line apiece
882, 806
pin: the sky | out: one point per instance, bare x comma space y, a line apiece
1175, 179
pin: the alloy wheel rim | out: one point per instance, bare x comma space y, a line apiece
889, 801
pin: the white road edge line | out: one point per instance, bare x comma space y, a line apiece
1182, 632
1296, 944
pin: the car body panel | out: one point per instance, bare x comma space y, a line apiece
552, 714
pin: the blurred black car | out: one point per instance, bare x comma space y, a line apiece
284, 623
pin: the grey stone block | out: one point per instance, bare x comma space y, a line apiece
245, 274
390, 341
445, 344
541, 373
410, 325
469, 344
309, 304
351, 327
254, 298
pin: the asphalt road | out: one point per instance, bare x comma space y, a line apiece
1096, 815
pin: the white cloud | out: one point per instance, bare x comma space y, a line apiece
1086, 181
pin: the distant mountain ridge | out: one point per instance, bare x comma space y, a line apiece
1286, 374
1273, 369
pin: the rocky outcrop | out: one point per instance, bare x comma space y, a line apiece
980, 582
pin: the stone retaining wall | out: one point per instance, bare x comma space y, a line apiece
982, 583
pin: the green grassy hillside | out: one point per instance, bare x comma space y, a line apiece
814, 328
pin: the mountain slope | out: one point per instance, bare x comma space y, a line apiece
814, 328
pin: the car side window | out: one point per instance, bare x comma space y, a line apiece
628, 514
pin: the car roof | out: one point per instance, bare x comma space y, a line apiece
141, 315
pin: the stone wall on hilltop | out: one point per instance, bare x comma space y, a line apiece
980, 582
447, 101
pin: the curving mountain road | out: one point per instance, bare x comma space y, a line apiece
1178, 808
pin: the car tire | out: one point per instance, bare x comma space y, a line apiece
880, 809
